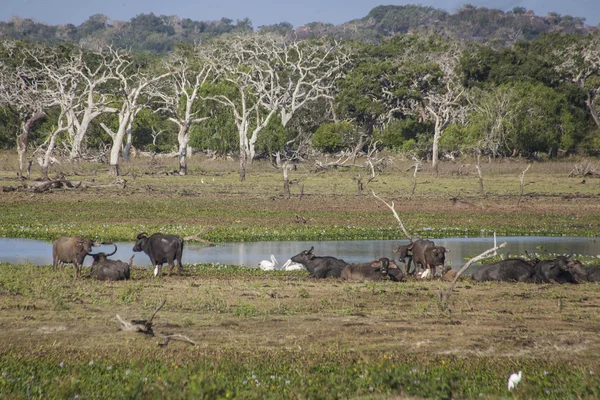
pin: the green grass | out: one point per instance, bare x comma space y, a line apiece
285, 374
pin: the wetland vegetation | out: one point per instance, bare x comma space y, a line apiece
280, 334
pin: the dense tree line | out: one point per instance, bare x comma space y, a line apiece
263, 94
160, 34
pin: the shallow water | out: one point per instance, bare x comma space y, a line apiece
249, 254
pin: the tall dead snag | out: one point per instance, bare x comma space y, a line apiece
478, 166
522, 180
445, 295
391, 207
286, 182
416, 166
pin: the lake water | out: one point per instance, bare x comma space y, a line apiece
249, 254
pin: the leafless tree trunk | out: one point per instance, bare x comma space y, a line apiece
416, 167
177, 96
62, 126
133, 85
92, 98
478, 167
522, 180
22, 91
286, 182
23, 138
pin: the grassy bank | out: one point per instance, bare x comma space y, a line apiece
323, 206
277, 334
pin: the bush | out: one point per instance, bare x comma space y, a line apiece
331, 138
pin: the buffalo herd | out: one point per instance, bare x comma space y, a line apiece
423, 254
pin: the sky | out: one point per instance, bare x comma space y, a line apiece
265, 12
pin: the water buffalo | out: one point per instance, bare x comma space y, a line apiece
581, 274
555, 270
405, 255
161, 249
372, 271
427, 255
395, 274
71, 250
320, 267
104, 269
448, 274
512, 269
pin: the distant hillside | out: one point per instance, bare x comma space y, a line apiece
148, 32
469, 23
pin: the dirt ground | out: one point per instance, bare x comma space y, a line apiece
548, 322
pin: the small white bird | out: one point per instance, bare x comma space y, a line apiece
292, 266
427, 274
266, 265
513, 380
156, 270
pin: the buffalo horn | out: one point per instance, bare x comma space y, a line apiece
141, 235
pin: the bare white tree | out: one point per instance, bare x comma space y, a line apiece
579, 62
304, 71
22, 92
133, 82
495, 111
444, 103
176, 96
432, 66
93, 71
271, 77
61, 82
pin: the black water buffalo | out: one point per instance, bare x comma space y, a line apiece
104, 269
582, 274
427, 255
395, 274
405, 255
372, 271
555, 270
71, 250
161, 249
320, 267
512, 269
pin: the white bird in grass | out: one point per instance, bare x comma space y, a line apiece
292, 266
266, 265
513, 380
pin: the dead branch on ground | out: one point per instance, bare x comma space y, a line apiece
584, 169
181, 338
145, 326
391, 207
301, 220
196, 237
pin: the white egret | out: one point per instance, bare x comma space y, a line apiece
513, 380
